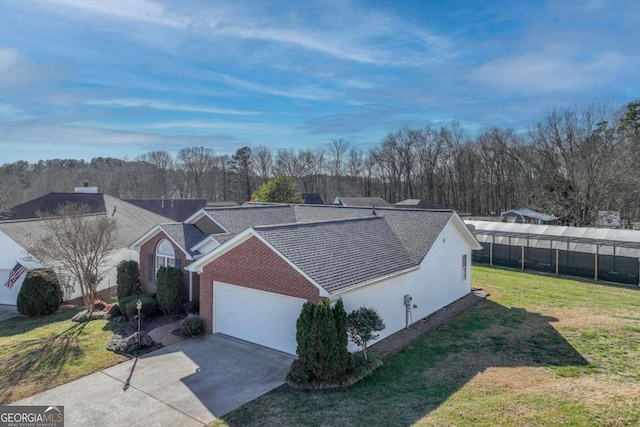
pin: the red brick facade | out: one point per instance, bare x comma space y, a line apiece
254, 265
149, 247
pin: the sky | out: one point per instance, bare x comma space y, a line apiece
119, 78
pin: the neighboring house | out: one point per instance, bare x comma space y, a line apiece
312, 199
26, 229
11, 254
175, 209
255, 265
377, 202
527, 216
418, 204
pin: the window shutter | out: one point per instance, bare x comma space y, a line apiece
150, 269
178, 263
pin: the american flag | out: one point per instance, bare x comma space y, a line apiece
15, 274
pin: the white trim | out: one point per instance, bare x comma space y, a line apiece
375, 280
152, 233
191, 286
198, 265
466, 233
202, 242
202, 213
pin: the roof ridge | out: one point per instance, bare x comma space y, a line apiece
327, 221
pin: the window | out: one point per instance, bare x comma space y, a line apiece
165, 255
464, 267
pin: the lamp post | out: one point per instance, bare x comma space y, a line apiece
139, 307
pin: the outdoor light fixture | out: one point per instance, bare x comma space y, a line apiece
139, 307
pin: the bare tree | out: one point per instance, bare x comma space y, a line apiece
196, 162
262, 163
78, 244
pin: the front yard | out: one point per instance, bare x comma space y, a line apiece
37, 354
538, 351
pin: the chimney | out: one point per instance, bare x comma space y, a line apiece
85, 188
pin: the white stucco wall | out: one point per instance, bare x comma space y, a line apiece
109, 271
437, 283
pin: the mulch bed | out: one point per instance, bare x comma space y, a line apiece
396, 342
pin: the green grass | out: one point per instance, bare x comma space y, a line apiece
539, 351
37, 354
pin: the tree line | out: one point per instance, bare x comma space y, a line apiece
571, 163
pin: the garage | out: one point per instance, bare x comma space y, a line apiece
260, 317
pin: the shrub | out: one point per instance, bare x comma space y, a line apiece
192, 325
128, 278
114, 311
322, 353
363, 322
149, 306
192, 307
101, 305
40, 294
169, 292
129, 344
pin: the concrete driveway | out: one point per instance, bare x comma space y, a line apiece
8, 311
190, 383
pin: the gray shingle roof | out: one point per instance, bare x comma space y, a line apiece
51, 202
176, 209
361, 201
340, 254
239, 218
185, 235
132, 222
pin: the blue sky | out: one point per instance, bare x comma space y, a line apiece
85, 78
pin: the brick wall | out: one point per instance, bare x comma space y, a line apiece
149, 247
253, 265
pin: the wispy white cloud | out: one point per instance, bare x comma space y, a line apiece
548, 72
159, 105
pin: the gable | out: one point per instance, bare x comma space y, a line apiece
255, 265
207, 226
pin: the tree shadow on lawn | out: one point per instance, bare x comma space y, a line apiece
23, 324
417, 380
40, 360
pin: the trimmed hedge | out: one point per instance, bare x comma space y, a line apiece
128, 279
169, 292
128, 305
321, 334
40, 294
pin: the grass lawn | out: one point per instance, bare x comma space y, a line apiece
39, 353
539, 351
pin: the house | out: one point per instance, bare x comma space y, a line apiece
175, 209
527, 216
255, 265
23, 229
378, 202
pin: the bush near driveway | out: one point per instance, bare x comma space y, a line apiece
128, 278
192, 325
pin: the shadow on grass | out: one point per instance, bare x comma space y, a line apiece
41, 360
418, 379
22, 324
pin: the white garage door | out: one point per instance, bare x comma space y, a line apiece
261, 317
